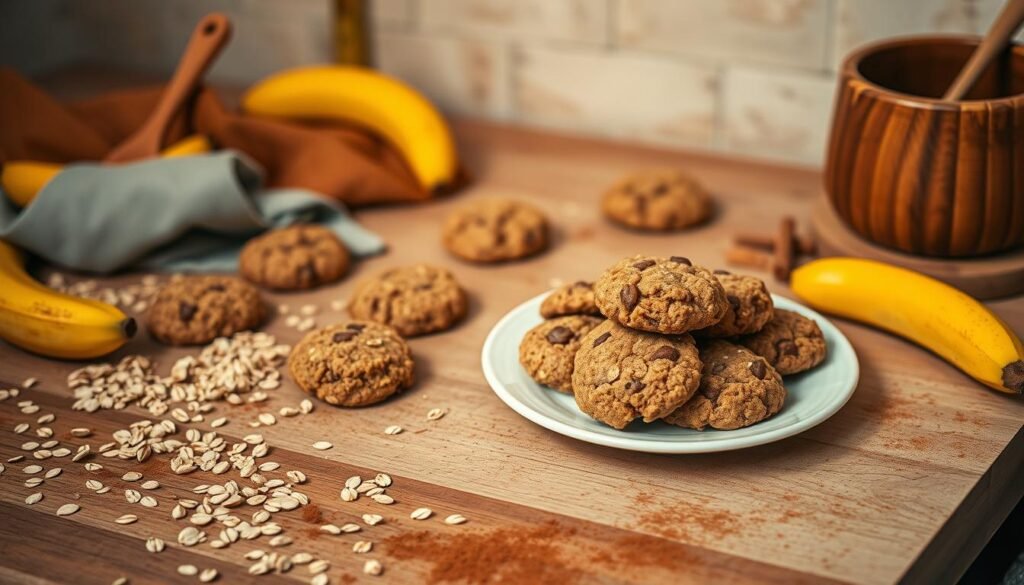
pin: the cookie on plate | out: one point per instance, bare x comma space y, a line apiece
790, 342
352, 364
199, 309
737, 389
750, 306
657, 200
664, 295
547, 351
414, 299
622, 374
570, 299
495, 230
294, 258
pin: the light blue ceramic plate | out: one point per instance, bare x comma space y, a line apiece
812, 398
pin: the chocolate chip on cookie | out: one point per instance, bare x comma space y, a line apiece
414, 300
295, 257
657, 200
570, 299
665, 295
789, 341
622, 374
495, 230
199, 309
352, 364
548, 350
737, 389
750, 307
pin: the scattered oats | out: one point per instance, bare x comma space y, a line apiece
392, 430
34, 482
280, 540
16, 459
455, 519
322, 445
283, 309
308, 310
253, 439
218, 422
353, 482
2, 468
383, 499
30, 409
208, 575
149, 502
302, 558
34, 498
154, 544
21, 428
80, 432
288, 411
269, 466
421, 513
296, 476
349, 495
29, 446
372, 519
61, 452
32, 469
200, 519
29, 382
93, 484
52, 473
382, 479
350, 528
362, 546
127, 519
120, 581
44, 432
306, 406
330, 529
188, 570
103, 489
151, 484
436, 413
267, 418
132, 476
46, 418
91, 466
306, 324
292, 320
67, 509
82, 453
190, 536
320, 579
319, 566
373, 567
338, 305
132, 496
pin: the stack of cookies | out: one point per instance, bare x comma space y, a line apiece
658, 338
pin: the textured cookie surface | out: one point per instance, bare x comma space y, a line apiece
622, 374
413, 299
570, 299
737, 389
657, 200
548, 350
790, 342
295, 257
199, 309
666, 295
750, 306
495, 230
352, 364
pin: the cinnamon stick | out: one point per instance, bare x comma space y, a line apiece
747, 257
784, 252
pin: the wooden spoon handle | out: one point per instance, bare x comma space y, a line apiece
995, 42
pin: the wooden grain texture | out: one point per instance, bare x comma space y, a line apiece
910, 478
912, 172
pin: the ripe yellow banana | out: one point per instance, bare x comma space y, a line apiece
930, 313
384, 104
23, 179
44, 321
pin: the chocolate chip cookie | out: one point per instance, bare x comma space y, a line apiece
352, 364
750, 306
570, 299
790, 342
621, 374
737, 389
414, 299
665, 295
495, 230
548, 350
657, 200
293, 258
199, 309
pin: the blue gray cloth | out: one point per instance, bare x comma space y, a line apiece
170, 214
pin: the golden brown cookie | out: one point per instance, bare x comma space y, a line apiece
548, 350
352, 364
657, 200
413, 299
295, 257
750, 306
737, 389
199, 309
570, 299
665, 295
495, 230
622, 374
790, 342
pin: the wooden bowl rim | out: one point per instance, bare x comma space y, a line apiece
852, 61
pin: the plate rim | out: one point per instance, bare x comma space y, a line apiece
664, 447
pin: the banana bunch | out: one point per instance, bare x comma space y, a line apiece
930, 313
383, 104
23, 179
41, 320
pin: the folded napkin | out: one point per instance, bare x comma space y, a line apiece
189, 213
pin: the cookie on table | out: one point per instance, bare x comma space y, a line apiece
737, 389
199, 309
657, 200
664, 295
414, 299
790, 342
352, 364
750, 306
294, 258
570, 299
495, 230
547, 351
622, 374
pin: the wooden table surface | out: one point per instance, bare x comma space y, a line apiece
907, 482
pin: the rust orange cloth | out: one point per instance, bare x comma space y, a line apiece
346, 163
